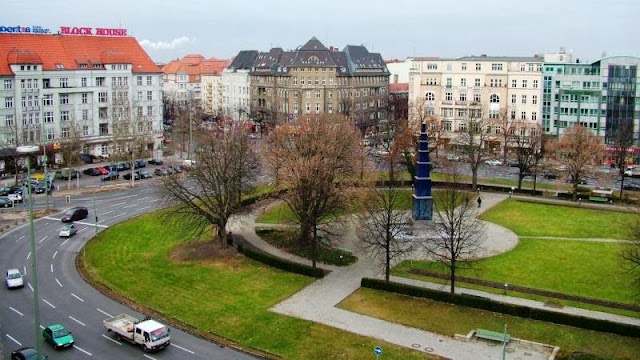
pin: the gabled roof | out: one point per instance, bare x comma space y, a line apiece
71, 51
194, 65
244, 60
313, 44
398, 87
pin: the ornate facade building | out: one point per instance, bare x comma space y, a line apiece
314, 79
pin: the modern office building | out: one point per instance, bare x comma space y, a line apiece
452, 90
599, 95
314, 79
51, 85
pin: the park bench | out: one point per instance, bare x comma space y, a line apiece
598, 199
492, 335
345, 250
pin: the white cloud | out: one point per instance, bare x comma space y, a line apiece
163, 45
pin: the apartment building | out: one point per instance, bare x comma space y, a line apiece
453, 90
194, 78
236, 84
599, 95
314, 79
52, 86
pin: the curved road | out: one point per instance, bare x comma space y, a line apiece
66, 298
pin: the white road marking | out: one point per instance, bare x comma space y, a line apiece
104, 312
154, 200
77, 222
76, 320
181, 348
64, 242
24, 270
110, 339
51, 267
144, 208
118, 204
77, 297
28, 255
59, 283
48, 303
14, 340
149, 357
115, 216
16, 311
83, 350
43, 239
20, 238
54, 254
105, 213
30, 287
41, 327
84, 228
130, 206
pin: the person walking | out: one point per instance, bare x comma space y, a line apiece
479, 201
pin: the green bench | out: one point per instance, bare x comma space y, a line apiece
492, 335
345, 250
598, 199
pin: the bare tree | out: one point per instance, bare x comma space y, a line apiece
630, 253
507, 125
211, 193
383, 227
623, 138
456, 232
319, 165
473, 140
576, 151
528, 150
71, 147
395, 140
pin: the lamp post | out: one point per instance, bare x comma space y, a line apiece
28, 150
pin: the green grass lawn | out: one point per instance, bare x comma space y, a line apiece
449, 319
532, 219
574, 267
230, 297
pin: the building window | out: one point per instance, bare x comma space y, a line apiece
330, 94
463, 97
535, 84
85, 98
85, 114
64, 116
463, 66
514, 83
295, 94
477, 83
104, 149
102, 97
64, 82
64, 99
449, 82
139, 111
523, 115
9, 120
65, 132
522, 67
330, 108
139, 80
448, 96
496, 67
494, 98
513, 98
48, 117
317, 93
430, 96
478, 66
8, 84
463, 82
513, 114
534, 99
477, 98
83, 82
308, 107
8, 102
100, 81
149, 95
317, 108
524, 83
150, 110
85, 130
524, 99
534, 116
149, 81
307, 94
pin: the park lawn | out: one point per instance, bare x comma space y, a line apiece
229, 298
449, 319
541, 220
590, 269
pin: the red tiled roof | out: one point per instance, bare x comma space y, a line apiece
71, 51
194, 65
398, 87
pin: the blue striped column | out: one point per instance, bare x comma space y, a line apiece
422, 199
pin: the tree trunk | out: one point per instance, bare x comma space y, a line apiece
520, 178
387, 264
621, 185
221, 232
452, 275
474, 178
314, 246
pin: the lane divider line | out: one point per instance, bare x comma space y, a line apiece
110, 339
30, 287
28, 255
76, 222
48, 303
16, 311
149, 357
183, 349
59, 283
83, 350
54, 255
64, 242
43, 239
52, 267
14, 340
20, 238
104, 312
77, 297
76, 320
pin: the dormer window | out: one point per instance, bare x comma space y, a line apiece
83, 66
97, 66
59, 66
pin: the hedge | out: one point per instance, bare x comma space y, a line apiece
282, 264
482, 303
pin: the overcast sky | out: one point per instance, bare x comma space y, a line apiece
395, 28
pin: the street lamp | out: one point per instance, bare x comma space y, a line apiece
28, 150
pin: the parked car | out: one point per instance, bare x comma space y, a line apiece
66, 174
16, 198
58, 336
145, 174
156, 161
92, 171
27, 353
4, 191
75, 214
13, 279
493, 162
103, 170
127, 176
161, 172
112, 175
176, 169
5, 202
139, 163
631, 186
68, 230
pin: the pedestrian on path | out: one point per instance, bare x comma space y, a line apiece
479, 201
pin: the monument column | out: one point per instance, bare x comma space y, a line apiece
422, 199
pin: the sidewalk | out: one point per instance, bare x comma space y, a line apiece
318, 301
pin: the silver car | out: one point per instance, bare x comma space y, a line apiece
68, 230
13, 278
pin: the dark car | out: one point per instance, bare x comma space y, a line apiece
161, 172
632, 186
6, 202
91, 172
112, 175
6, 191
156, 161
127, 176
27, 353
139, 163
74, 214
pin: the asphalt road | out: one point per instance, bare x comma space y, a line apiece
66, 298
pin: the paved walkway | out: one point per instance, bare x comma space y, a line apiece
318, 301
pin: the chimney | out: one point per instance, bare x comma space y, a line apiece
331, 48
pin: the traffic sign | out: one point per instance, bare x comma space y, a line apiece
378, 351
